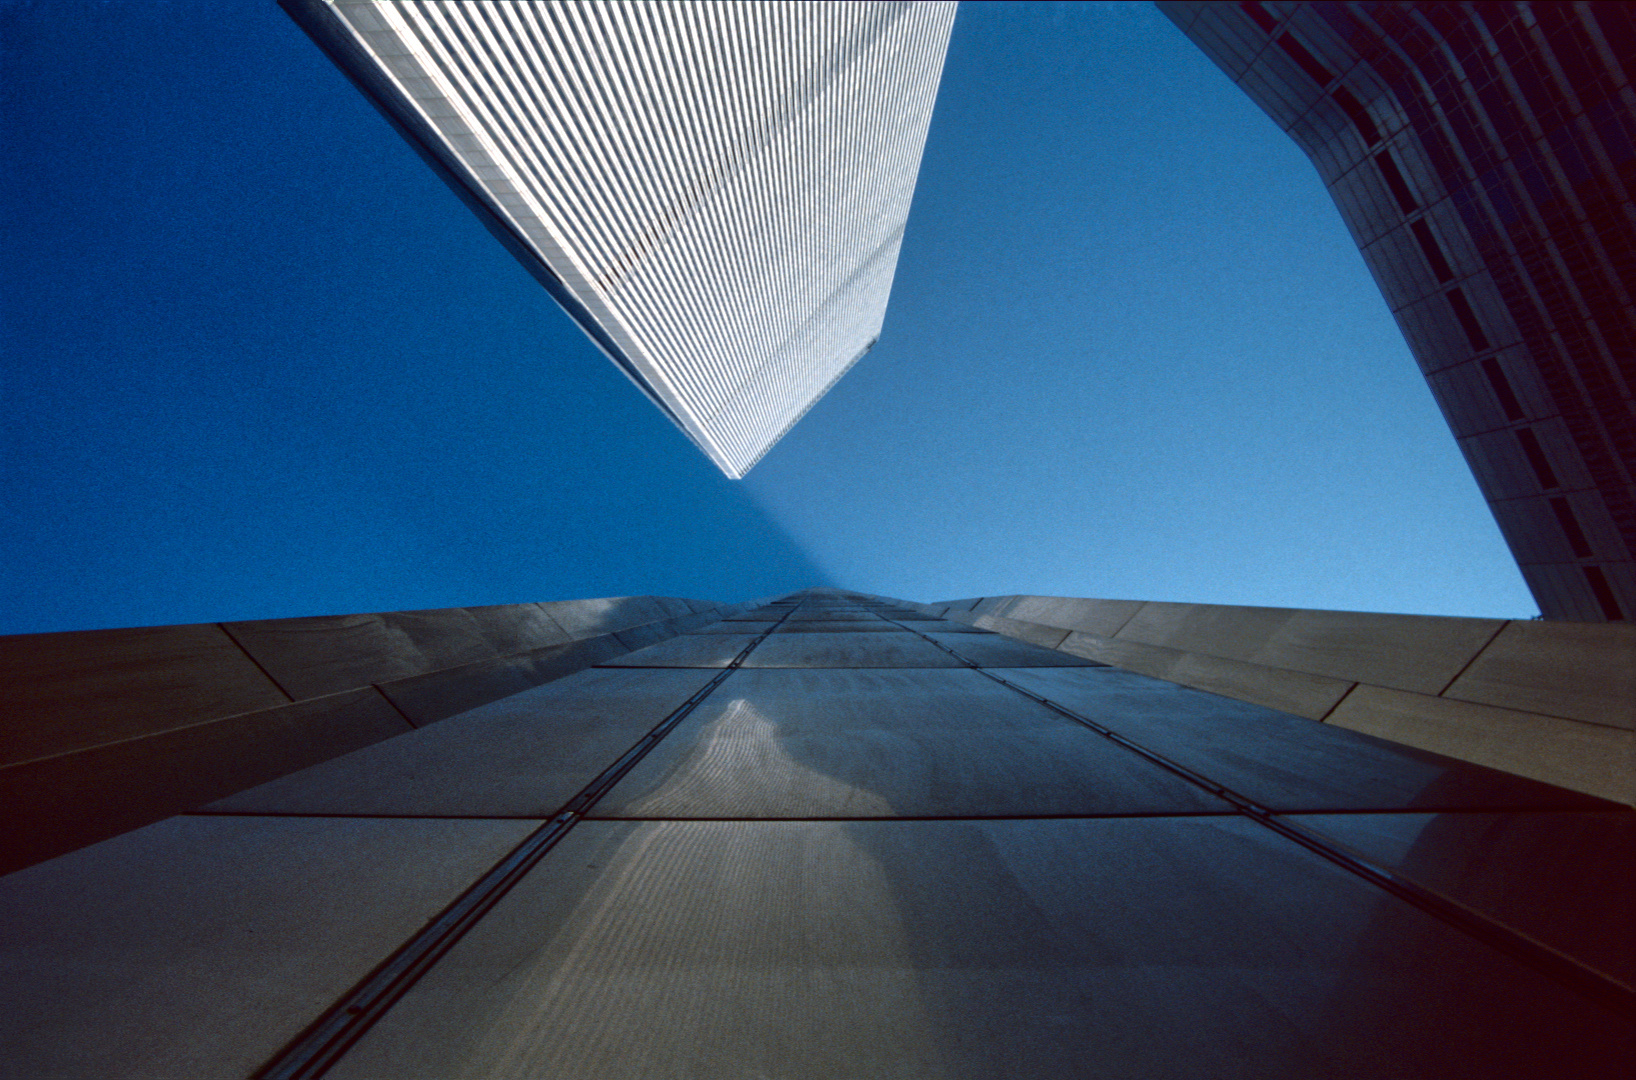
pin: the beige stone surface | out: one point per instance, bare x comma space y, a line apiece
956, 615
1580, 671
1491, 862
1419, 653
1311, 696
521, 756
1582, 757
1234, 632
1154, 660
64, 692
326, 654
437, 695
900, 649
1284, 762
55, 805
687, 650
996, 650
1136, 948
1046, 637
673, 606
194, 948
1104, 617
511, 628
604, 615
816, 742
830, 626
941, 626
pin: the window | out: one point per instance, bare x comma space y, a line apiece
1355, 112
1468, 319
1305, 60
1434, 254
1395, 182
1535, 454
1598, 581
1259, 15
1570, 528
1502, 389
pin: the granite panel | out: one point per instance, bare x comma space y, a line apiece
1046, 637
604, 615
326, 654
58, 804
1134, 947
1420, 653
898, 649
1282, 761
730, 626
1311, 696
524, 755
687, 650
1579, 671
1585, 757
64, 692
885, 743
672, 606
992, 650
514, 628
640, 637
437, 695
1103, 617
197, 946
945, 626
1560, 878
1154, 660
829, 626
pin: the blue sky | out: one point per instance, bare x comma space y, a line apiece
259, 362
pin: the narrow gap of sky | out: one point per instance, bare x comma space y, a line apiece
1131, 352
259, 362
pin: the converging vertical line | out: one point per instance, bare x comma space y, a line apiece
1566, 970
326, 1040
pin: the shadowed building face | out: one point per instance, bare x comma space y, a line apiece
1482, 156
883, 848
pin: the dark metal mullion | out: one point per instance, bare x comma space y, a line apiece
323, 1043
1565, 969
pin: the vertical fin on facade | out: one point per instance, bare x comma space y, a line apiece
716, 193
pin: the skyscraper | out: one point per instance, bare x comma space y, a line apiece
715, 192
822, 835
1483, 156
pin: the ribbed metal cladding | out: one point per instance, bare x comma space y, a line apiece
1483, 156
719, 188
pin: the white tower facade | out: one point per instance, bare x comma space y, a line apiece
716, 192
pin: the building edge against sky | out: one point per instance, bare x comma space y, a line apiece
715, 193
1483, 158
